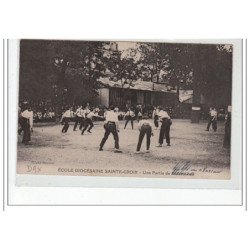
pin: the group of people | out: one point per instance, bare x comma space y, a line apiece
84, 118
213, 117
44, 116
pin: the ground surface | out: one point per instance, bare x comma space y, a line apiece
194, 153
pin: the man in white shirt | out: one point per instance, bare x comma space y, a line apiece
165, 126
212, 119
26, 119
89, 121
78, 117
111, 126
145, 127
66, 118
129, 116
156, 117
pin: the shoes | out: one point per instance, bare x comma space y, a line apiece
168, 144
100, 149
118, 151
147, 151
137, 152
207, 130
159, 146
90, 132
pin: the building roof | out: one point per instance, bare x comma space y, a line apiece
186, 96
139, 85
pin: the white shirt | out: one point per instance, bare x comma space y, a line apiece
68, 114
90, 115
111, 116
213, 113
86, 110
163, 114
155, 112
79, 112
130, 113
28, 115
144, 122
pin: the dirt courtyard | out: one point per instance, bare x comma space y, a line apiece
194, 152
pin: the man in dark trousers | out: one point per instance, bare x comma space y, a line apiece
20, 129
227, 136
88, 122
111, 126
212, 119
66, 118
156, 117
129, 116
165, 127
145, 128
78, 117
26, 121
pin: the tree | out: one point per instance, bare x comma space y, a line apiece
123, 69
153, 60
63, 71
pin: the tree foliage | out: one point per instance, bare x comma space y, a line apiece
70, 71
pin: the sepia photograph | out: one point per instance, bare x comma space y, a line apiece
125, 109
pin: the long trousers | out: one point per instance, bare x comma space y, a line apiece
82, 123
145, 130
129, 118
213, 122
156, 121
227, 136
164, 132
20, 121
77, 120
87, 122
110, 127
26, 133
66, 125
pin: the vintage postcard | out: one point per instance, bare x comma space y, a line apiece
125, 109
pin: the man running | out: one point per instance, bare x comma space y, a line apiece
78, 117
88, 122
66, 118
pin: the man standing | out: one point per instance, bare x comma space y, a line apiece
20, 129
111, 126
212, 119
156, 117
66, 118
165, 127
129, 116
227, 136
78, 117
145, 127
26, 121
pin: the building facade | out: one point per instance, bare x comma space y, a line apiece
140, 93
